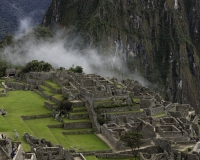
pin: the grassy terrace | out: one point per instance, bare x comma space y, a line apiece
95, 158
74, 113
78, 108
45, 87
67, 120
18, 103
48, 91
87, 142
125, 112
52, 84
78, 130
159, 115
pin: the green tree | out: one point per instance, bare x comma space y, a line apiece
34, 65
77, 69
132, 140
42, 32
65, 105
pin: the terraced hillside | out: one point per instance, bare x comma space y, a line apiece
31, 112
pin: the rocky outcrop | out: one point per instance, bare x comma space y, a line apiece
157, 38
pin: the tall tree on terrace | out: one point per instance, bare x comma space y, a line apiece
132, 140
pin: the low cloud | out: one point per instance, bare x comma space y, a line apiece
24, 25
65, 53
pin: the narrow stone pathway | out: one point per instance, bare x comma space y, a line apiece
3, 83
77, 158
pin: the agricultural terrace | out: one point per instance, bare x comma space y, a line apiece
28, 103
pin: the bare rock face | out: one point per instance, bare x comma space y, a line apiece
158, 38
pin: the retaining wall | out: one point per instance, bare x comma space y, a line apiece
78, 116
77, 125
50, 106
36, 116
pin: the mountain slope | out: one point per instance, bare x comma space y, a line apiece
160, 39
12, 11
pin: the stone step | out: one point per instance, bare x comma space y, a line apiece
50, 105
76, 124
78, 115
79, 131
77, 103
79, 109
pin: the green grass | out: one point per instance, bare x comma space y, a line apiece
18, 103
79, 108
67, 120
91, 158
58, 96
40, 129
54, 85
45, 87
159, 115
125, 112
26, 103
48, 92
74, 113
118, 159
95, 158
78, 130
88, 142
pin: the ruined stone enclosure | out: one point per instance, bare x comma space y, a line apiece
104, 109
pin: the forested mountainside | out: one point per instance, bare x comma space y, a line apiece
158, 38
11, 11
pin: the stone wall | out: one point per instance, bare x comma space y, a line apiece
147, 103
169, 121
56, 90
155, 110
55, 100
78, 132
2, 94
77, 125
34, 81
78, 116
50, 106
169, 131
118, 109
169, 107
36, 116
128, 115
67, 90
19, 154
114, 155
56, 126
175, 114
192, 157
30, 156
20, 86
40, 75
4, 155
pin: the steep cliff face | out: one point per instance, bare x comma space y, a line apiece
158, 38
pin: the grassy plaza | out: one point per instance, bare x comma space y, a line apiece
28, 103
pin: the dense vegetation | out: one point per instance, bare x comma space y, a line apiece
12, 11
37, 66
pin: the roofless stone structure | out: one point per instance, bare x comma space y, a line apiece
168, 128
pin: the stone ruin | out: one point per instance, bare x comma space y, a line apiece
170, 130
